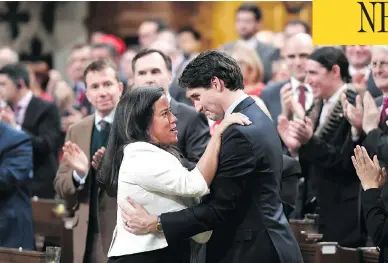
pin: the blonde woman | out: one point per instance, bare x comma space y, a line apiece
251, 67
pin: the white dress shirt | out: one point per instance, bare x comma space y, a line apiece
234, 105
353, 71
97, 119
155, 179
22, 108
308, 93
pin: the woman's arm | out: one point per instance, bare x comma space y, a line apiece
372, 178
165, 174
208, 163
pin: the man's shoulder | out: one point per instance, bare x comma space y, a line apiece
82, 124
275, 87
272, 89
10, 135
42, 104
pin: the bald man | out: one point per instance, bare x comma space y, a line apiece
296, 51
8, 56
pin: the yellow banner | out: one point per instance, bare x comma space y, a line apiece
350, 22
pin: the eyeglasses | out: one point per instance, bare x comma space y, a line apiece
376, 64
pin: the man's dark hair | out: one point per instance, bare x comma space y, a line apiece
331, 56
112, 50
161, 24
197, 36
79, 46
251, 8
200, 71
100, 65
17, 72
145, 52
302, 23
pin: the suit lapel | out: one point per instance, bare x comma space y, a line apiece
379, 102
84, 135
174, 107
32, 112
374, 91
244, 104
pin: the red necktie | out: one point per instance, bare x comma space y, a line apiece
302, 96
214, 126
383, 111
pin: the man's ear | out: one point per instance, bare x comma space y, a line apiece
20, 83
217, 83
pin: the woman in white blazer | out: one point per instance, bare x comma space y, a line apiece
141, 162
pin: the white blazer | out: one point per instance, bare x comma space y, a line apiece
157, 180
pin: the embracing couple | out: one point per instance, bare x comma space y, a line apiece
240, 216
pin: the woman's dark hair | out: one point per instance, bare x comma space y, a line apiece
132, 119
330, 56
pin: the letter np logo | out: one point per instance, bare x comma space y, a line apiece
373, 15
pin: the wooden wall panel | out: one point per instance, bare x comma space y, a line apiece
215, 20
223, 13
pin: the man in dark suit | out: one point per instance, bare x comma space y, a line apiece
371, 119
153, 68
243, 208
359, 57
15, 173
248, 22
296, 51
323, 144
38, 118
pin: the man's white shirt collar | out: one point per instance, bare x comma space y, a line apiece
296, 83
109, 118
353, 71
234, 105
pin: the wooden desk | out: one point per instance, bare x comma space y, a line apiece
47, 223
370, 254
11, 255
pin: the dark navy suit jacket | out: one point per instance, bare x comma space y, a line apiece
244, 208
16, 229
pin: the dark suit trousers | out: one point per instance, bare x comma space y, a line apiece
164, 255
94, 252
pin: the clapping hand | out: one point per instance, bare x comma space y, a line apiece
354, 114
290, 141
370, 173
286, 98
75, 158
97, 158
371, 118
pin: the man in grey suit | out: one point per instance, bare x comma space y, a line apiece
153, 68
248, 22
296, 51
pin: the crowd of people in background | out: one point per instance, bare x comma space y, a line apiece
322, 100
